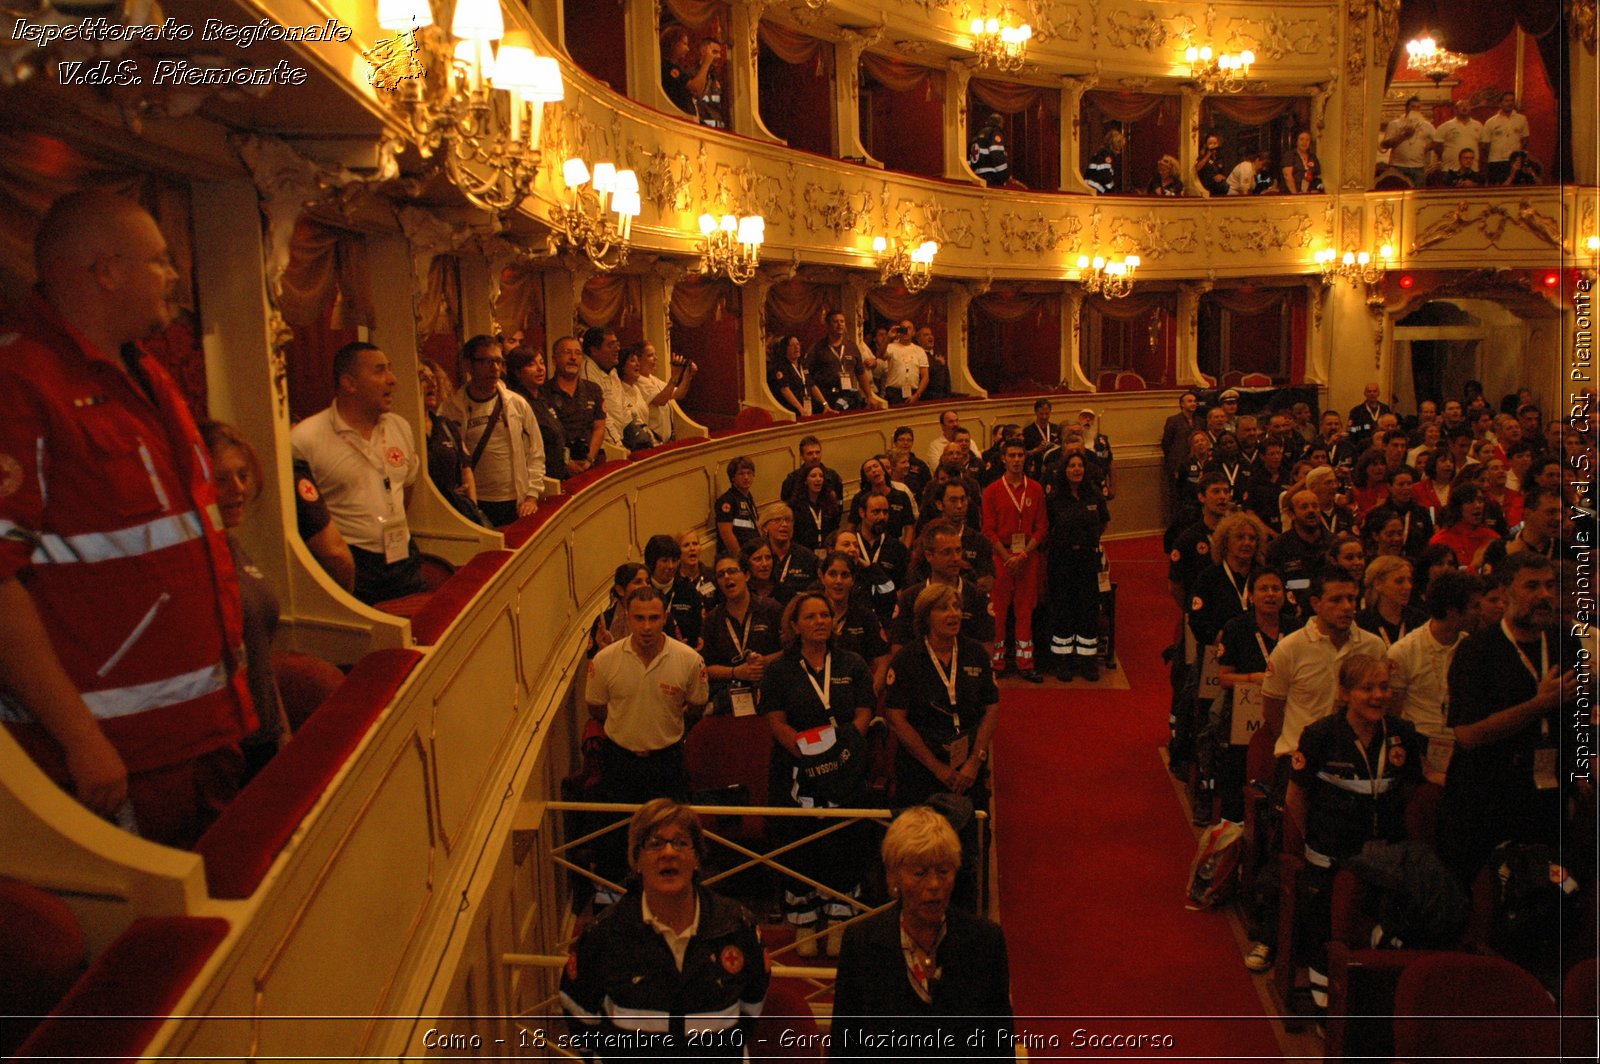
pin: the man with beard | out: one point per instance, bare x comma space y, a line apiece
1507, 683
1298, 552
884, 558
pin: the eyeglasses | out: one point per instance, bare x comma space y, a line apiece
491, 361
655, 844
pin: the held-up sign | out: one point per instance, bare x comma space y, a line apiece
1247, 715
1210, 678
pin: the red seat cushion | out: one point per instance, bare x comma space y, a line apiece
447, 603
42, 953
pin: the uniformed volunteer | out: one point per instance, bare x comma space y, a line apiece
885, 559
941, 550
671, 971
942, 703
855, 626
818, 700
1077, 517
735, 509
740, 637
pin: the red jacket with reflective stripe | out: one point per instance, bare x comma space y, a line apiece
108, 516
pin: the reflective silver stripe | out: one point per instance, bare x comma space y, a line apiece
126, 701
38, 462
1321, 860
155, 479
713, 1021
637, 1019
1365, 788
577, 1011
752, 1008
132, 542
133, 636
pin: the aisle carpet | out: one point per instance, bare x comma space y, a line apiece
1094, 849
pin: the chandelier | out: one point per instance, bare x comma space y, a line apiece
1357, 267
731, 246
582, 220
479, 114
1428, 59
911, 261
999, 44
1110, 278
1219, 73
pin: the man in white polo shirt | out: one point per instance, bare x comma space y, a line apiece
645, 689
908, 366
1420, 665
1455, 135
1303, 671
364, 459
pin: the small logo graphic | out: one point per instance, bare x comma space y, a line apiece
10, 475
732, 960
306, 490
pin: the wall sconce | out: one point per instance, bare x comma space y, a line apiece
1112, 279
443, 86
1000, 45
1431, 61
1357, 267
1591, 248
912, 262
583, 221
731, 246
1219, 73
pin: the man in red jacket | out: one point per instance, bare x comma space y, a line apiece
120, 623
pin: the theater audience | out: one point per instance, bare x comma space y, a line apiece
815, 506
527, 373
1303, 171
1419, 663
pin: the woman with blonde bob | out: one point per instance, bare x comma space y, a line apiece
1387, 597
931, 975
941, 700
668, 949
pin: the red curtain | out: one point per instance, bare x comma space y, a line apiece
902, 115
706, 327
1475, 27
594, 33
1150, 121
612, 301
800, 308
519, 312
1030, 119
1014, 341
1137, 333
796, 83
308, 358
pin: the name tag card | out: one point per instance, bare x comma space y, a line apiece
1210, 676
1247, 713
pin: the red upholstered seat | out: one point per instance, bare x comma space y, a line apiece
1129, 381
752, 417
1580, 994
724, 751
304, 683
119, 1004
448, 601
1255, 380
42, 953
786, 1012
242, 844
1459, 1005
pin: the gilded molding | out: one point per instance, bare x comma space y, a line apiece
1383, 230
1350, 219
1581, 22
1037, 235
1238, 235
1492, 221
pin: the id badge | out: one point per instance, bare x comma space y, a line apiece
1018, 542
958, 750
883, 589
1544, 768
396, 543
1105, 574
845, 384
744, 701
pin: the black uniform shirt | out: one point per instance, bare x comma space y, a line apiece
1353, 795
915, 687
739, 510
977, 614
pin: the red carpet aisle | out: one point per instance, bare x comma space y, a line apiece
1094, 849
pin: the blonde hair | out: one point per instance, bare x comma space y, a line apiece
1379, 570
929, 599
773, 511
1229, 527
920, 832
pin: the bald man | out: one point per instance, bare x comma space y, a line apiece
120, 620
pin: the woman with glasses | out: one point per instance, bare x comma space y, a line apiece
672, 970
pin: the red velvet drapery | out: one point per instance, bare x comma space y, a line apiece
594, 32
1030, 119
1014, 341
902, 114
1265, 330
706, 327
796, 87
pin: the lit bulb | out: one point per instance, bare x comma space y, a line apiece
1025, 33
1099, 262
1083, 262
627, 181
1386, 252
575, 173
930, 248
992, 26
977, 26
547, 86
1363, 258
729, 224
708, 225
605, 177
478, 20
1205, 53
1349, 259
1248, 57
404, 14
879, 245
1133, 262
1191, 54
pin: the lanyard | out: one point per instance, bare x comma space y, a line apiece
1266, 651
1383, 763
739, 639
1527, 663
947, 678
1405, 527
1240, 591
1328, 521
1232, 476
872, 558
816, 516
825, 689
1016, 500
788, 559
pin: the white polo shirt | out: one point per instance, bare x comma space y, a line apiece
646, 704
1455, 136
1413, 151
1504, 135
1304, 671
363, 481
1419, 686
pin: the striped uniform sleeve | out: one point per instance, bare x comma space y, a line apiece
23, 461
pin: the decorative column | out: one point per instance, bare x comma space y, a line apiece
1317, 348
753, 350
847, 92
1189, 138
743, 52
1072, 90
641, 20
477, 295
1188, 340
958, 305
957, 75
1073, 376
656, 292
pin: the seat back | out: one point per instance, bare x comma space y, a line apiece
1422, 812
1465, 1005
725, 751
1255, 380
42, 953
1579, 995
787, 1024
751, 417
1129, 381
304, 683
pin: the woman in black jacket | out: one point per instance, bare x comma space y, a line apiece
920, 979
1078, 515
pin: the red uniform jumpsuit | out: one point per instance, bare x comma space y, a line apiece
1008, 513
